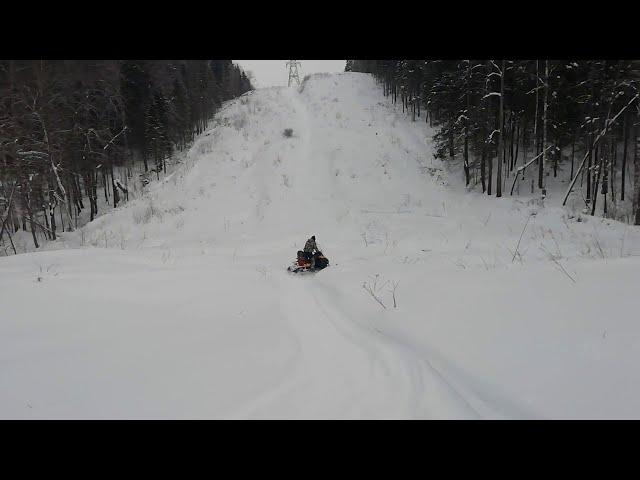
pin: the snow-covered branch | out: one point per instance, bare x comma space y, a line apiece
490, 138
523, 167
492, 94
116, 136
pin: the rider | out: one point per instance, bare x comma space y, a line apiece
309, 249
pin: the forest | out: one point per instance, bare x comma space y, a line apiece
512, 125
71, 130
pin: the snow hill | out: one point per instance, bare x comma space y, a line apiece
178, 305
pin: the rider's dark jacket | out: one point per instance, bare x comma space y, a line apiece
310, 246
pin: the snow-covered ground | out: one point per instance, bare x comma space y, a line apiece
178, 305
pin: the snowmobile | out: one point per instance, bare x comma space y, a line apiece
302, 264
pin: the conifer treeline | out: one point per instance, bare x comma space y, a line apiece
65, 125
514, 123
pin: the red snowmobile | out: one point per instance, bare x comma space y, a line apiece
303, 263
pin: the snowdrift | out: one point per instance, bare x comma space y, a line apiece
439, 303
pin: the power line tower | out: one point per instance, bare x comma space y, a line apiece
293, 65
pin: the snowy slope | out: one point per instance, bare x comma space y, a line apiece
178, 305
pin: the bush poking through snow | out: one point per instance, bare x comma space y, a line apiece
373, 288
167, 256
263, 271
46, 271
144, 214
288, 132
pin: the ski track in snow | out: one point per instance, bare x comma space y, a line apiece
188, 311
353, 368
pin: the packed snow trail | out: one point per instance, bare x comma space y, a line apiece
178, 305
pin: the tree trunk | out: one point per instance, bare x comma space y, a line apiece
535, 120
597, 181
605, 176
78, 193
52, 213
636, 176
466, 126
544, 129
114, 189
556, 155
592, 153
625, 133
490, 173
451, 143
483, 162
573, 152
525, 142
32, 224
46, 223
413, 108
104, 185
501, 153
612, 163
512, 134
515, 159
466, 156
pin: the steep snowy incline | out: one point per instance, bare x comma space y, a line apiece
178, 305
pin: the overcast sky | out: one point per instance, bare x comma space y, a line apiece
269, 73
